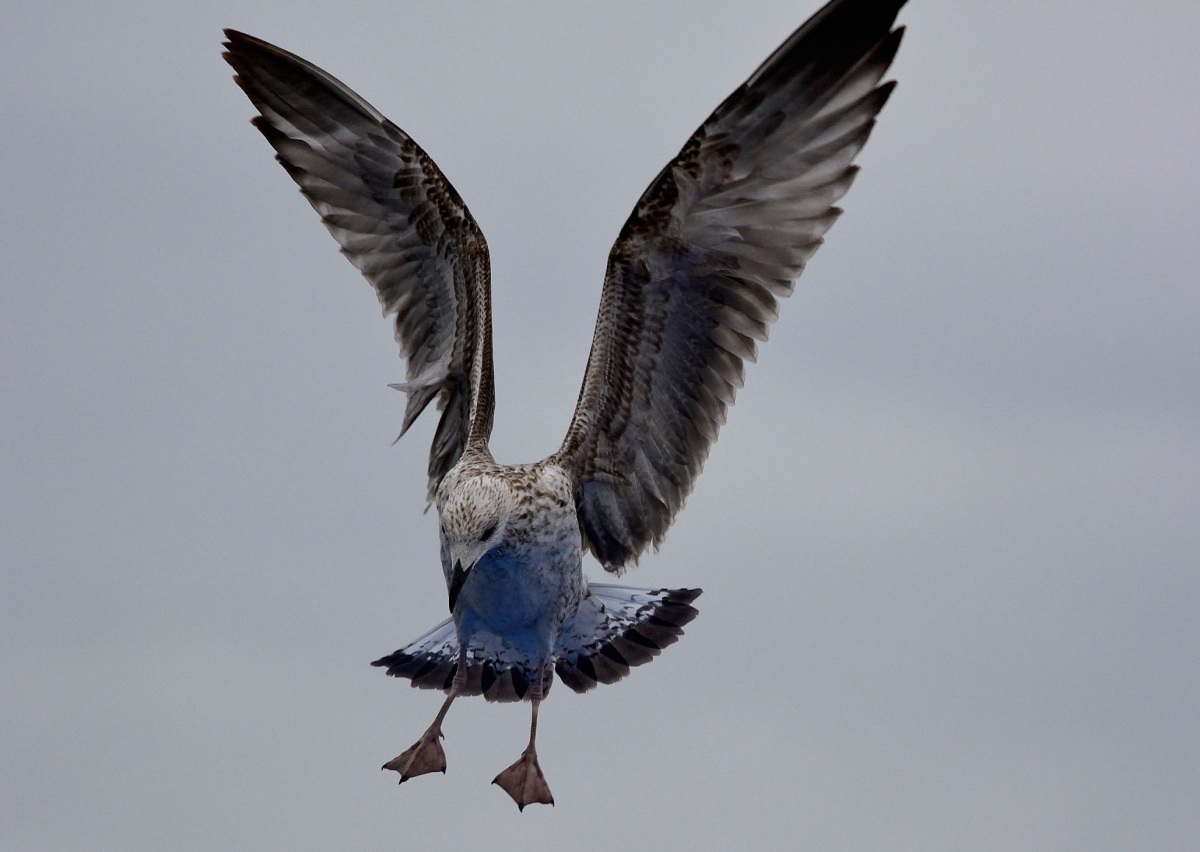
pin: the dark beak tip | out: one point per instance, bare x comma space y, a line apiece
457, 577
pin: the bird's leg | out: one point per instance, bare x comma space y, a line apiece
426, 755
524, 780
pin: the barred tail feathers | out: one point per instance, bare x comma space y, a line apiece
617, 628
431, 662
614, 629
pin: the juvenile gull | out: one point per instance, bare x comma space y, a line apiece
692, 285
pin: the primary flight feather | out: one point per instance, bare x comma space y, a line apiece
692, 286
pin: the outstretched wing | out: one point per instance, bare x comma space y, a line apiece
399, 221
694, 276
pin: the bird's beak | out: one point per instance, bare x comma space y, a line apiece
457, 578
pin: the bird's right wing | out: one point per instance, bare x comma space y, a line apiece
694, 278
399, 221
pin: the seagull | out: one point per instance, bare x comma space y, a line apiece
692, 285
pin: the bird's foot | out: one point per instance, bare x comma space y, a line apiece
424, 756
525, 782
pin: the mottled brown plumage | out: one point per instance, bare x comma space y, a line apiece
692, 285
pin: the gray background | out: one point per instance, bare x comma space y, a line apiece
948, 539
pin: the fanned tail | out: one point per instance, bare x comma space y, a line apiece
431, 662
617, 628
614, 629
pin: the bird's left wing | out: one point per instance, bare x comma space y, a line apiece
399, 221
694, 277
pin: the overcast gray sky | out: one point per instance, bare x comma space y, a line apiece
948, 539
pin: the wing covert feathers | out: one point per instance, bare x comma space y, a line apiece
399, 221
694, 278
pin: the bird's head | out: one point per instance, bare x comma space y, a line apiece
473, 521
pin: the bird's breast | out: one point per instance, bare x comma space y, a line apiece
522, 595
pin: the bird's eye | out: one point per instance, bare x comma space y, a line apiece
486, 534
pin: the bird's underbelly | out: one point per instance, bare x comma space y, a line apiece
520, 600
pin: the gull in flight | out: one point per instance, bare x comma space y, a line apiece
693, 283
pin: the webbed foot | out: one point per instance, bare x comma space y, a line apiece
525, 782
424, 756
